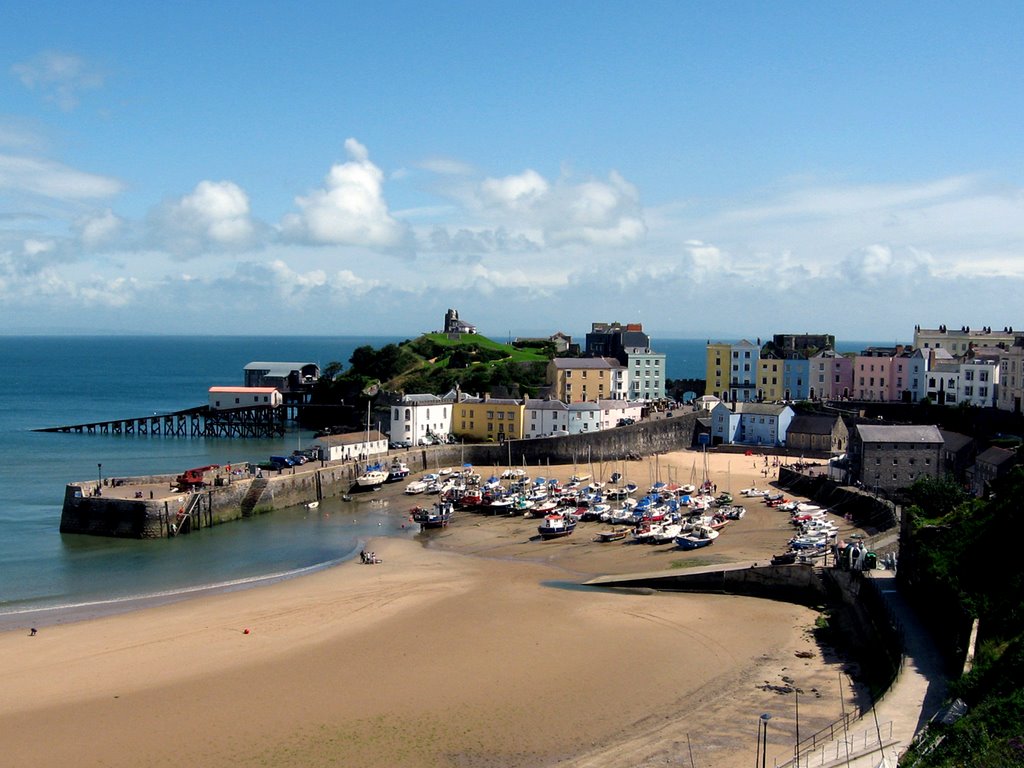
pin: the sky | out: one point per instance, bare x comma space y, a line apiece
341, 168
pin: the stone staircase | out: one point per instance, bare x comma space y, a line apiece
256, 487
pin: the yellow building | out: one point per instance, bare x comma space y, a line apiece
490, 419
717, 370
769, 380
587, 379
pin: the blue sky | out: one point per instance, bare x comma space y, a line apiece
704, 168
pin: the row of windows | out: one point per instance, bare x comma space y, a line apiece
911, 461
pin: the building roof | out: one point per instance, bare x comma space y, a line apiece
276, 369
421, 399
899, 433
567, 363
545, 405
756, 409
996, 456
246, 390
954, 441
352, 438
812, 424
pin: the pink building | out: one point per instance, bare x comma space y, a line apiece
831, 375
883, 374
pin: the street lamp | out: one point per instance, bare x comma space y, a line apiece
99, 474
764, 750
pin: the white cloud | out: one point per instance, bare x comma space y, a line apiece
51, 179
878, 263
98, 229
514, 193
530, 209
349, 210
61, 77
214, 214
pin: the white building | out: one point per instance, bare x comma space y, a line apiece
750, 423
226, 398
614, 411
584, 418
417, 418
358, 446
543, 418
978, 383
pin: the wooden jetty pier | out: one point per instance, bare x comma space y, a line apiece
201, 421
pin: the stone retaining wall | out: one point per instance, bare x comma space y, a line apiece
242, 497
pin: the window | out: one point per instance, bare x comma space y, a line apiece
490, 414
490, 427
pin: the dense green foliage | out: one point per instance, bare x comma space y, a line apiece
434, 363
965, 557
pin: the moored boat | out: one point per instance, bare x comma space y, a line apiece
374, 476
557, 525
615, 534
397, 471
437, 516
700, 536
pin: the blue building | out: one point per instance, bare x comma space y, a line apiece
763, 424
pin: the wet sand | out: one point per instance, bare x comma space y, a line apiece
454, 651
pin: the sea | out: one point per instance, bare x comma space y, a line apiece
47, 577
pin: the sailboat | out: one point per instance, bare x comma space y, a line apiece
375, 474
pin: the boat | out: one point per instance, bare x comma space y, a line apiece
699, 536
416, 486
437, 516
374, 476
397, 471
614, 534
312, 504
557, 525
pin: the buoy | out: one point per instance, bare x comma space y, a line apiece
245, 631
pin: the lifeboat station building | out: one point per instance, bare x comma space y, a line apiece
227, 398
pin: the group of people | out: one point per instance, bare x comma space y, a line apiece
368, 558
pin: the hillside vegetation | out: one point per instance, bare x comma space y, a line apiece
965, 563
435, 363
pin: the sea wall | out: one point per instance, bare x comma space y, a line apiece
865, 509
801, 584
241, 497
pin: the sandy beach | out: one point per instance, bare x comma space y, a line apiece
467, 647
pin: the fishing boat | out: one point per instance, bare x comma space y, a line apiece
312, 504
699, 536
614, 534
397, 471
437, 516
374, 476
557, 525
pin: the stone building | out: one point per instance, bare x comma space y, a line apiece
991, 464
887, 458
817, 433
454, 326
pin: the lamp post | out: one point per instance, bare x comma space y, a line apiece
99, 474
764, 749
